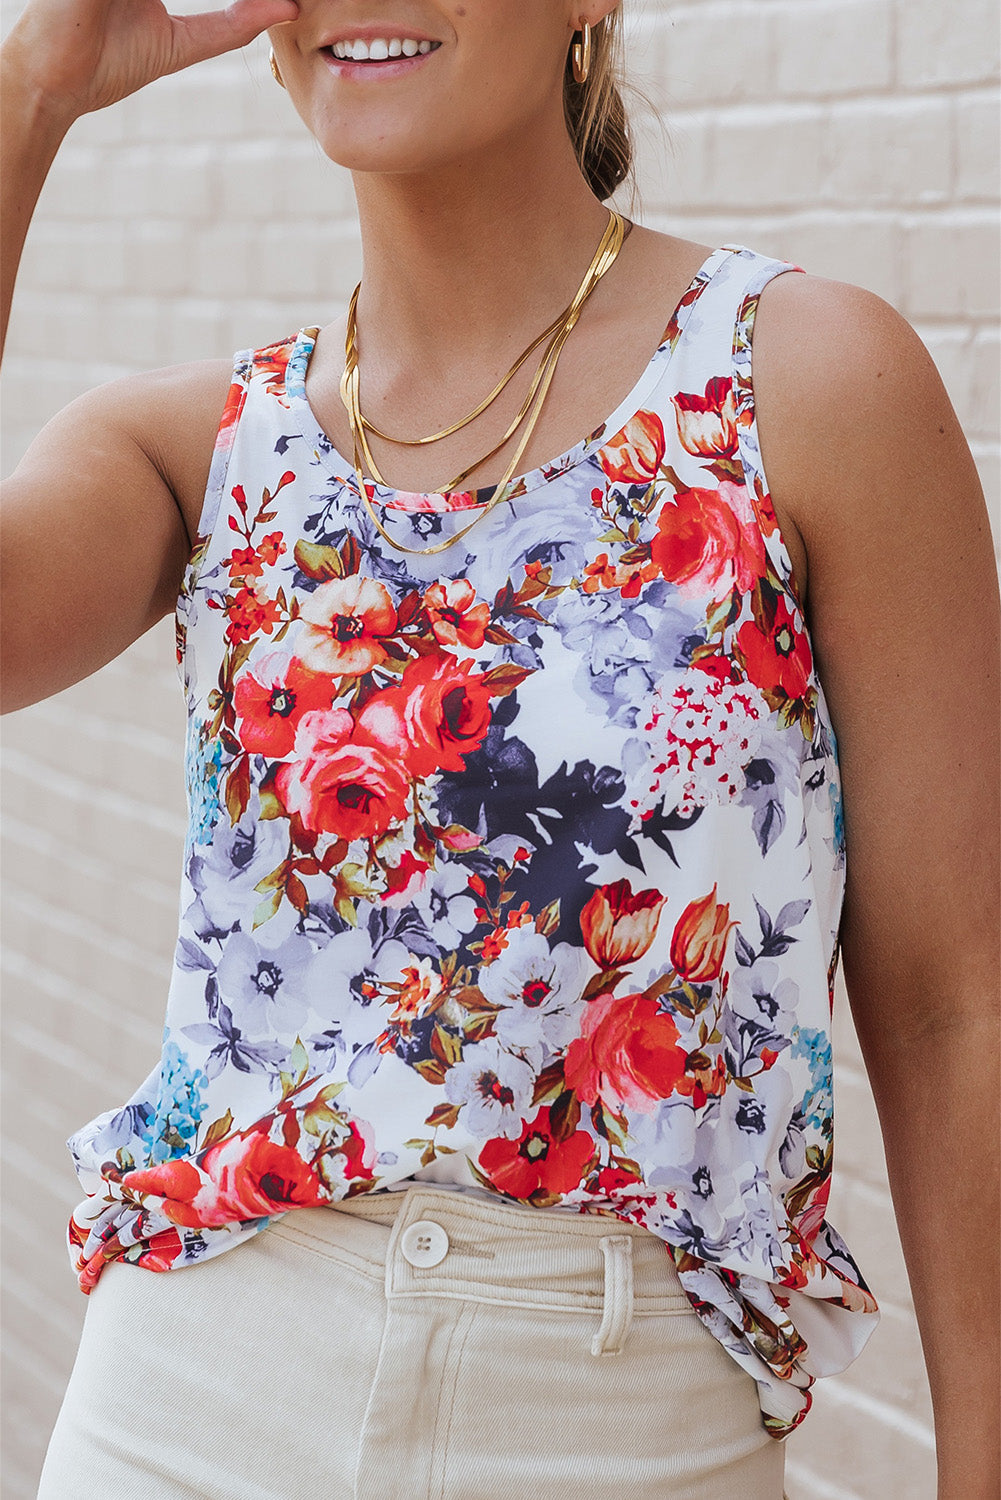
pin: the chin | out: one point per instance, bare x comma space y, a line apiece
388, 147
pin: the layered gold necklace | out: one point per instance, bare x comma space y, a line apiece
557, 334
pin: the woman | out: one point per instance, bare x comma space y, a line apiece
497, 1046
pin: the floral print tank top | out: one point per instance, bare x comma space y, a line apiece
516, 867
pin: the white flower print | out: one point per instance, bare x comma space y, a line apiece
266, 984
447, 906
494, 1087
758, 992
538, 987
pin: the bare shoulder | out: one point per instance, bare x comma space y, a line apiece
172, 414
111, 487
854, 421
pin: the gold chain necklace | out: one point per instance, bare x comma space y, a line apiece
350, 380
351, 363
602, 261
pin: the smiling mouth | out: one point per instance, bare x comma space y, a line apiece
397, 58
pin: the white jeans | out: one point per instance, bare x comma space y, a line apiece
408, 1346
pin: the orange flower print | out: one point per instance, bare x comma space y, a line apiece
618, 925
780, 660
244, 562
345, 619
250, 613
536, 1162
699, 941
272, 696
703, 1079
421, 984
703, 546
627, 1053
271, 548
456, 619
707, 425
628, 578
241, 1178
634, 455
439, 713
341, 784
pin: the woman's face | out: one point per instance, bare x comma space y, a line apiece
495, 69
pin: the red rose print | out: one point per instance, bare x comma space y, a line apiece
779, 661
703, 543
358, 1152
618, 925
634, 454
161, 1251
699, 941
439, 713
242, 1178
235, 397
627, 1053
809, 1219
456, 618
404, 880
344, 622
272, 696
535, 1161
340, 782
707, 425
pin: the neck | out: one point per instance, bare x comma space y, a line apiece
480, 256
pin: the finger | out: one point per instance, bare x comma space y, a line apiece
211, 33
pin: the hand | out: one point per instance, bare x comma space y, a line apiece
82, 55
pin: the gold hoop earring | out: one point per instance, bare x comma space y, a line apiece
582, 54
274, 68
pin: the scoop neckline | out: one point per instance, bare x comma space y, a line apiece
388, 498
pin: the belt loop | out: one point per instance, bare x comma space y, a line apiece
617, 1312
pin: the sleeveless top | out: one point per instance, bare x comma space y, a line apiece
517, 867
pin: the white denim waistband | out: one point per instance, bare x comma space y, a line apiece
432, 1242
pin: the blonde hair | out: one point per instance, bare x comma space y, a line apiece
595, 114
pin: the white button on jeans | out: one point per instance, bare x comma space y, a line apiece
424, 1243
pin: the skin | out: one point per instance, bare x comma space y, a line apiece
476, 227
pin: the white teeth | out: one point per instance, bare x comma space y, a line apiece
380, 48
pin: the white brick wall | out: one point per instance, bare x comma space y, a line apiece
857, 137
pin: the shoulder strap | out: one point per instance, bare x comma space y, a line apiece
759, 271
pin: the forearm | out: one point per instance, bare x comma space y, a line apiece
937, 1096
32, 125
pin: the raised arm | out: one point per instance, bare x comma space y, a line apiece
866, 458
96, 519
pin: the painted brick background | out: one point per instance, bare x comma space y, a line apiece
856, 137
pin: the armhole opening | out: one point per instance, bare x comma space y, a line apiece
755, 479
229, 421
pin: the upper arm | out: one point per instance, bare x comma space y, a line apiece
867, 461
96, 524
